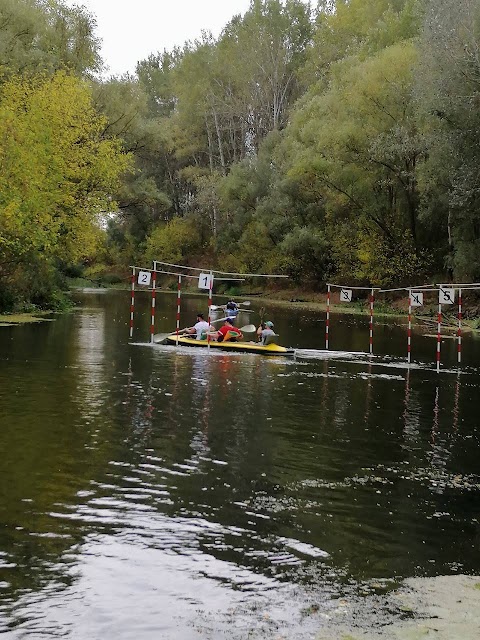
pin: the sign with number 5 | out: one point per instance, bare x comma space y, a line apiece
446, 296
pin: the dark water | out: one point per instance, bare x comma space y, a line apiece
148, 492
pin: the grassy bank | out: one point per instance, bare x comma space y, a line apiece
9, 319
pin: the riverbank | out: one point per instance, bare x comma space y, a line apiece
443, 607
9, 319
301, 300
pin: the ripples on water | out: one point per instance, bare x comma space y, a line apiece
154, 492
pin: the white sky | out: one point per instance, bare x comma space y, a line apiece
131, 30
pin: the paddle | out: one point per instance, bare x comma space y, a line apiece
248, 328
160, 338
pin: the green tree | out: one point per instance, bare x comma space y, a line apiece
57, 173
447, 88
40, 36
173, 242
358, 144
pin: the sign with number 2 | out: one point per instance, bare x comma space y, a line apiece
144, 278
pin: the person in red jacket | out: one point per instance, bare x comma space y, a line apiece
228, 332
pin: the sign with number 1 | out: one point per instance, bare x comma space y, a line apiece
205, 281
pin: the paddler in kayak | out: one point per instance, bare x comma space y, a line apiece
200, 328
227, 333
232, 308
264, 331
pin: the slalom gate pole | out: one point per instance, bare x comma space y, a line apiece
409, 331
327, 319
132, 303
152, 315
179, 294
439, 333
372, 301
459, 332
209, 307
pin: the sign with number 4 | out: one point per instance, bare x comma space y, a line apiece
416, 299
345, 295
205, 281
144, 277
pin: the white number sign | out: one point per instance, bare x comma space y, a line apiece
144, 278
416, 299
345, 295
446, 296
205, 281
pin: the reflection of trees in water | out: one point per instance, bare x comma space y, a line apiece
230, 395
368, 394
442, 441
411, 414
61, 441
444, 422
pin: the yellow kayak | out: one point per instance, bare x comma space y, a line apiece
242, 347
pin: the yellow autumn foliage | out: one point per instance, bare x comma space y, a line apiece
57, 172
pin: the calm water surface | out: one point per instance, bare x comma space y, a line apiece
153, 492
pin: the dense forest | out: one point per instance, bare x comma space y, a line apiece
331, 142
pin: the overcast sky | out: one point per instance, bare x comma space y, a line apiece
132, 29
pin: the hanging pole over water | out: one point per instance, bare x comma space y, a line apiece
210, 290
409, 331
152, 314
327, 319
179, 295
459, 330
372, 301
132, 302
439, 333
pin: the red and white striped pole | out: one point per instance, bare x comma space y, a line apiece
179, 295
132, 303
327, 319
372, 301
210, 290
459, 332
152, 315
439, 332
409, 331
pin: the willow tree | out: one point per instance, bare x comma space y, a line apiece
45, 36
57, 172
448, 92
358, 145
346, 28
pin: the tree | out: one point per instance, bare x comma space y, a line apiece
358, 28
447, 88
359, 145
46, 36
57, 173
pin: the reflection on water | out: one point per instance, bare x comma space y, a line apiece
155, 492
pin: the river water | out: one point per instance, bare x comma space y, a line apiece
154, 492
